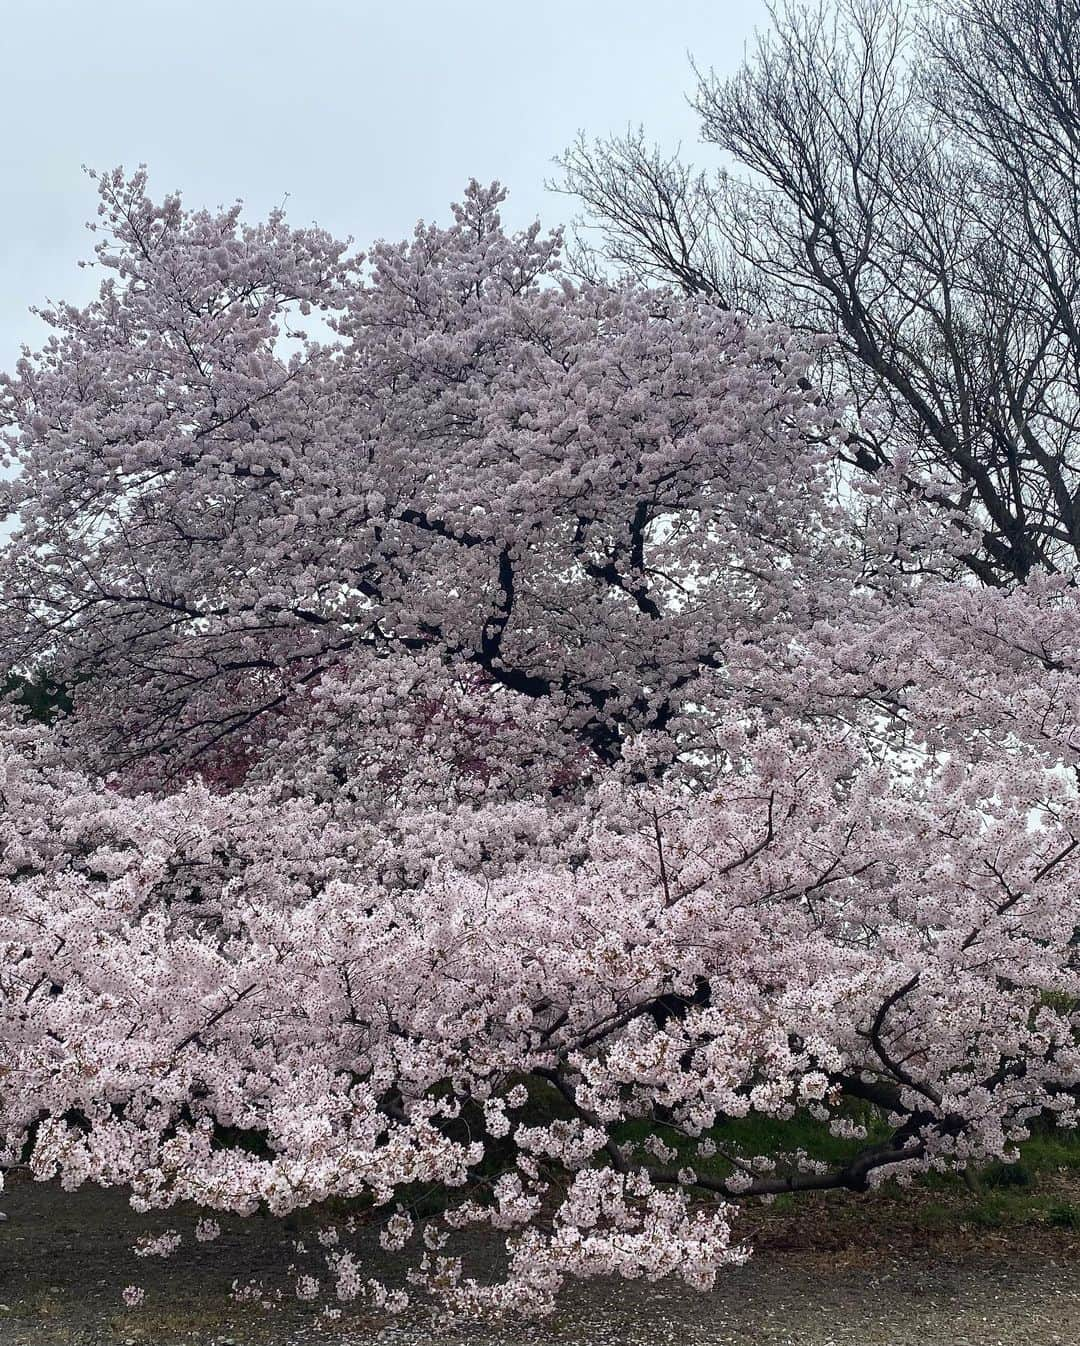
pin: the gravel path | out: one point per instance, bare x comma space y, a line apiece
64, 1259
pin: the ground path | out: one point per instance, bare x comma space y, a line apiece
815, 1280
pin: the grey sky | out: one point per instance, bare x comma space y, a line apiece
367, 114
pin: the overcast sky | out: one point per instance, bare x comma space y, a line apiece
366, 114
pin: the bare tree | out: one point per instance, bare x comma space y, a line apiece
909, 186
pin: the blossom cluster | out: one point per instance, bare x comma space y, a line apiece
201, 966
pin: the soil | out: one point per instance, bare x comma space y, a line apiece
828, 1272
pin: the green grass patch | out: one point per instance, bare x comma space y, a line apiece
1000, 1196
1063, 1215
1052, 1149
756, 1134
1001, 1175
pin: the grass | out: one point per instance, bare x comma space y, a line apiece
1037, 1189
1063, 1215
744, 1137
1033, 1190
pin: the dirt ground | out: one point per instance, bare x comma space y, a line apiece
823, 1273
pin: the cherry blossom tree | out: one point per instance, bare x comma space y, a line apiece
506, 743
575, 495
